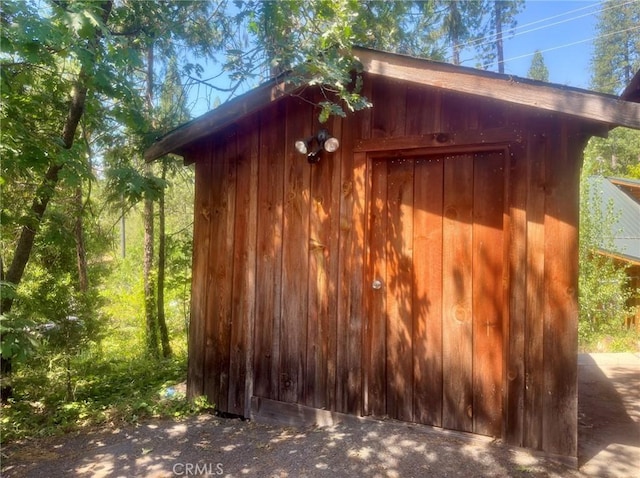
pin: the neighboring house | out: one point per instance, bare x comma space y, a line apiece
426, 271
624, 196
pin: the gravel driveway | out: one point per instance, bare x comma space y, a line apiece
211, 446
207, 445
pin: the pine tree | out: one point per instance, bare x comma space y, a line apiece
460, 23
172, 112
617, 48
500, 14
616, 58
538, 70
602, 281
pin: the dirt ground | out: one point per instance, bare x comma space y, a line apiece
609, 444
609, 414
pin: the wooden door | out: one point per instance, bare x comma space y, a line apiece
435, 272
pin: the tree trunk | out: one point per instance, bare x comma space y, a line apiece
162, 253
455, 24
499, 43
149, 289
123, 231
456, 53
81, 252
45, 192
28, 233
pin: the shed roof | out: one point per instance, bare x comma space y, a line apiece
629, 186
625, 231
586, 105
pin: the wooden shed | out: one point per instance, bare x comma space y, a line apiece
426, 271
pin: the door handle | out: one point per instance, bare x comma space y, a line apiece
376, 284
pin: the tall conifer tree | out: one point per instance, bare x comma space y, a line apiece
616, 55
538, 70
616, 58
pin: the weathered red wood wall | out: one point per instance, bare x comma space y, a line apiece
467, 211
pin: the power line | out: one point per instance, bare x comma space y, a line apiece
493, 36
541, 27
490, 38
571, 44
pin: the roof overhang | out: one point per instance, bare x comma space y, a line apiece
218, 118
585, 105
630, 186
631, 260
632, 91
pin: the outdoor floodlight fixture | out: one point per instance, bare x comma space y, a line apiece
313, 145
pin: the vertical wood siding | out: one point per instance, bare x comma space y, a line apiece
295, 256
475, 327
269, 251
244, 270
200, 260
457, 289
487, 301
427, 290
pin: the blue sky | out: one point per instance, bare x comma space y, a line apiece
550, 25
563, 30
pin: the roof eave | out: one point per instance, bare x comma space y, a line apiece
582, 104
619, 256
218, 118
629, 186
594, 108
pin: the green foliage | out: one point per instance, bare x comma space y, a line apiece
602, 282
123, 291
603, 290
109, 391
126, 182
538, 70
633, 171
179, 199
16, 340
616, 55
312, 42
460, 24
616, 58
48, 294
498, 12
112, 382
616, 155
